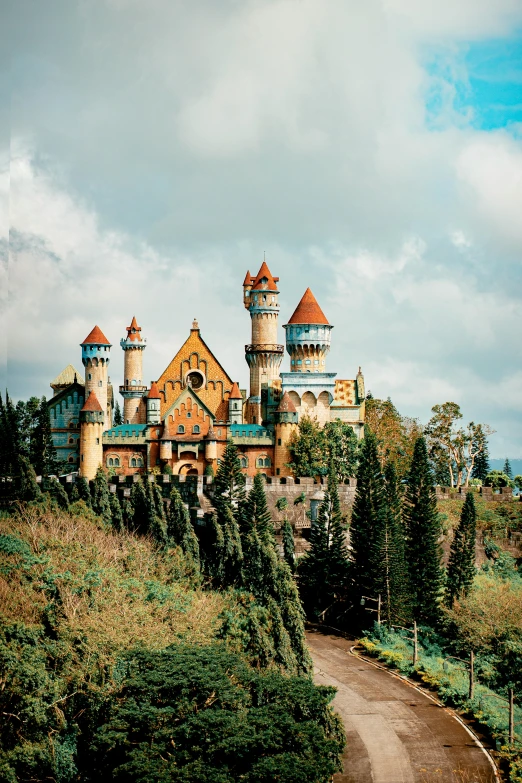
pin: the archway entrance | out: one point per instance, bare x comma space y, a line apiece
188, 470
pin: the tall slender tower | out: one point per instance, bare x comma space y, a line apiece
133, 388
96, 352
263, 354
91, 431
308, 336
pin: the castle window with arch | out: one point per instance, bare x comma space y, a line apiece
181, 429
263, 462
189, 415
195, 429
243, 461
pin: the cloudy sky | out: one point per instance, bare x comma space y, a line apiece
152, 151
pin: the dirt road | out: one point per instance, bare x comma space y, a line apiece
394, 733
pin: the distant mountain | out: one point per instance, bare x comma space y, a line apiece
498, 464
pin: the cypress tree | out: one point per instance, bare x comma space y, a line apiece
58, 493
257, 513
82, 485
156, 521
312, 567
100, 501
422, 533
42, 450
117, 418
507, 469
116, 511
179, 526
396, 600
461, 565
288, 544
29, 489
369, 519
140, 508
481, 467
230, 504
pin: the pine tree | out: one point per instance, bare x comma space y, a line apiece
396, 600
82, 485
230, 505
117, 418
507, 469
288, 544
100, 501
116, 511
369, 519
179, 526
156, 520
29, 489
42, 450
422, 533
58, 493
461, 565
257, 513
140, 509
481, 467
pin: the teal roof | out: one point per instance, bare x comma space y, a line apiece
249, 431
127, 431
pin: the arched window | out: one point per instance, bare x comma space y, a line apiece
268, 462
181, 429
116, 462
71, 459
189, 415
260, 462
110, 462
243, 462
195, 429
71, 440
133, 462
139, 462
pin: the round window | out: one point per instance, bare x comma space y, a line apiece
195, 380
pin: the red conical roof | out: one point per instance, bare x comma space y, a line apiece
153, 392
133, 331
248, 279
92, 404
308, 311
96, 337
265, 272
286, 405
235, 394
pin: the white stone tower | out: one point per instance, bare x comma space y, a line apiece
133, 388
96, 353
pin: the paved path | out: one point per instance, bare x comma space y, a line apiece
395, 733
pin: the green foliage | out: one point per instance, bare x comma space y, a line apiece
313, 446
497, 479
179, 527
461, 566
41, 449
422, 525
395, 434
481, 467
117, 418
288, 544
116, 511
187, 714
507, 469
517, 481
390, 548
57, 492
100, 501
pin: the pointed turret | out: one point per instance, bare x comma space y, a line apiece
153, 404
308, 336
308, 311
96, 354
235, 405
91, 432
133, 387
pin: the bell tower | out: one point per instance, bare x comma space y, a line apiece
263, 355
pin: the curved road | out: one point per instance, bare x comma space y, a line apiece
394, 733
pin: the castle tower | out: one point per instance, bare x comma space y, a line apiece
263, 354
286, 420
308, 336
96, 351
211, 447
153, 404
91, 432
235, 406
166, 443
133, 388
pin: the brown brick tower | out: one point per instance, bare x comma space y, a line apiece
263, 354
133, 387
91, 431
96, 354
286, 419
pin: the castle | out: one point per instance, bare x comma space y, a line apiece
185, 418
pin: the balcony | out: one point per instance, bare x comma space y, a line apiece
130, 388
264, 348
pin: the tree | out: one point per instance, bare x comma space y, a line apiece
342, 446
258, 515
306, 449
323, 569
517, 481
116, 511
117, 418
369, 514
202, 714
458, 447
140, 508
179, 526
396, 605
156, 520
42, 450
395, 434
422, 535
497, 479
84, 493
100, 501
230, 504
461, 566
288, 544
481, 467
58, 493
507, 469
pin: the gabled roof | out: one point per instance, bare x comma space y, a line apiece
92, 404
235, 394
153, 392
265, 273
96, 337
308, 311
286, 405
67, 376
188, 392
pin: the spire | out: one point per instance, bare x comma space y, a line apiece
195, 326
235, 394
266, 275
153, 392
308, 311
248, 279
92, 404
133, 331
95, 337
286, 405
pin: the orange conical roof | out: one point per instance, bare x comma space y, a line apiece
92, 404
96, 337
286, 405
248, 279
153, 392
235, 394
308, 311
265, 273
133, 331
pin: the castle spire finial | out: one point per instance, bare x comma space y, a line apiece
195, 325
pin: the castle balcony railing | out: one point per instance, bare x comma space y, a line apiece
130, 387
264, 348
